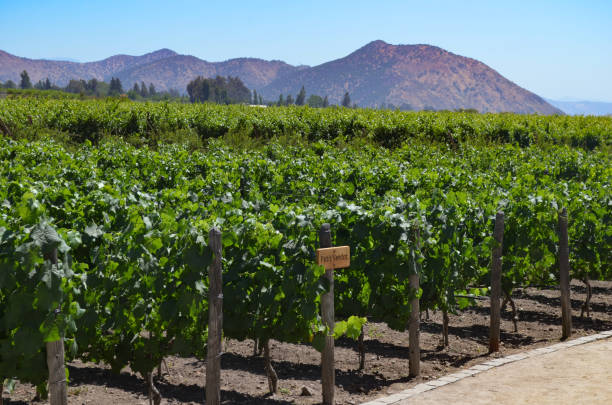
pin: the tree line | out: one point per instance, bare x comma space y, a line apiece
231, 90
314, 100
95, 88
220, 90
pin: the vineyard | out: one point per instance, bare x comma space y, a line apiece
106, 245
93, 119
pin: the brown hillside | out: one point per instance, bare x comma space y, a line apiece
413, 76
407, 76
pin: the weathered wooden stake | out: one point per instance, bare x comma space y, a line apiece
57, 373
496, 270
361, 348
58, 393
586, 305
564, 268
445, 328
414, 345
328, 374
215, 322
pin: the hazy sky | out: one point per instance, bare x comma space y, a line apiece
557, 49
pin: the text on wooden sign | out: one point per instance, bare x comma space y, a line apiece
335, 257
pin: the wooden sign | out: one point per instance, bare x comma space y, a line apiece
337, 257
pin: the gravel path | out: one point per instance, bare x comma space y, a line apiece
580, 374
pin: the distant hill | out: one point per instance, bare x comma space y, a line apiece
178, 70
164, 68
406, 76
60, 72
583, 107
416, 76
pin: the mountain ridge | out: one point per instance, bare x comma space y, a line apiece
417, 76
583, 107
414, 77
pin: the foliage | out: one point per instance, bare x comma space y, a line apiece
300, 99
346, 100
115, 87
219, 90
131, 224
90, 118
25, 81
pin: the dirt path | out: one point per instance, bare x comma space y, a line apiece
574, 375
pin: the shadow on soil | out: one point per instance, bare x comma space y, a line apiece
135, 385
353, 381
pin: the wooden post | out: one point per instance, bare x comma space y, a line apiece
57, 373
58, 392
445, 328
215, 321
496, 271
414, 345
328, 377
564, 267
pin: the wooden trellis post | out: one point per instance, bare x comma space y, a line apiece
58, 392
414, 326
215, 321
564, 268
496, 270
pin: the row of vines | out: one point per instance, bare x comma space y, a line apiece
130, 226
91, 119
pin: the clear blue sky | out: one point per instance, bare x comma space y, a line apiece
558, 49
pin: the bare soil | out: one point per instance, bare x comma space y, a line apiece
386, 367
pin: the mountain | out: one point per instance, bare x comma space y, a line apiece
406, 76
60, 72
178, 70
164, 68
413, 76
583, 107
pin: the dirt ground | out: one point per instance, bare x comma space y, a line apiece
386, 368
569, 376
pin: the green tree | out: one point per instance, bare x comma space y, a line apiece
43, 84
152, 90
25, 81
134, 93
315, 101
255, 99
261, 100
301, 97
237, 92
144, 92
280, 101
219, 90
325, 102
75, 86
198, 90
346, 100
92, 86
115, 87
289, 100
10, 84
